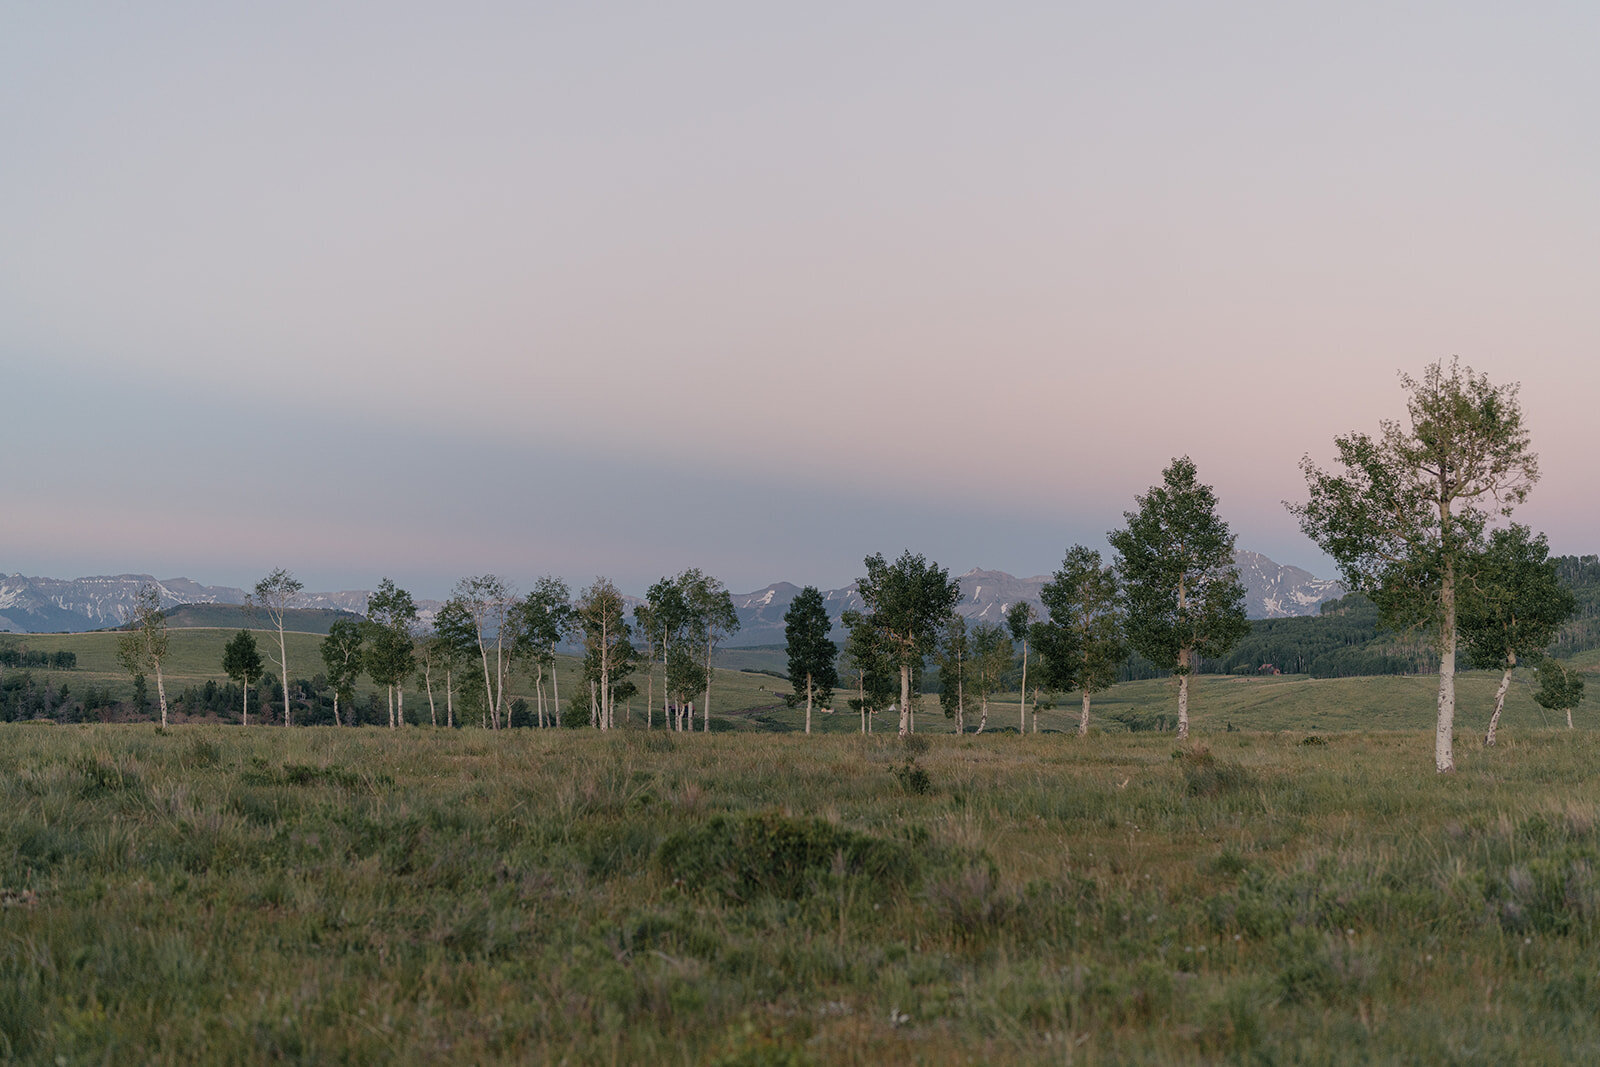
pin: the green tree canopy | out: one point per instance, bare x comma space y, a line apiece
342, 661
1082, 644
1512, 604
907, 603
143, 645
1405, 512
241, 661
812, 653
1175, 561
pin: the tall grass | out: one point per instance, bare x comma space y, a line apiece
229, 895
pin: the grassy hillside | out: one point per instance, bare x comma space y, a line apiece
236, 617
742, 700
214, 894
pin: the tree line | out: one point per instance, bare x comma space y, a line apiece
1416, 517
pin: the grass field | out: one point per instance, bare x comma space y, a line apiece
217, 894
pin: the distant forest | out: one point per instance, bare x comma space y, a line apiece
1345, 641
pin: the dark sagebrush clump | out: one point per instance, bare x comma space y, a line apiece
1206, 776
744, 857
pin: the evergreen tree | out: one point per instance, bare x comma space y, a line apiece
1175, 561
1408, 510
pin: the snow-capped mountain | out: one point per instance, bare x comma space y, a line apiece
47, 605
1271, 591
40, 605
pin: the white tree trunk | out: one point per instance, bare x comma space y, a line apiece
983, 713
905, 699
808, 702
391, 707
433, 711
488, 686
1022, 695
1183, 694
1500, 700
161, 695
449, 700
1444, 730
283, 665
400, 712
1083, 717
336, 721
555, 684
705, 710
247, 703
961, 703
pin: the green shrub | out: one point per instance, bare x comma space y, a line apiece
769, 854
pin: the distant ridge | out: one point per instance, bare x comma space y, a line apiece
48, 605
1272, 591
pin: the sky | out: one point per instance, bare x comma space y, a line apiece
427, 291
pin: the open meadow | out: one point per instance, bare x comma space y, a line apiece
212, 893
747, 696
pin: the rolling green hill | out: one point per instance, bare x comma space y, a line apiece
744, 700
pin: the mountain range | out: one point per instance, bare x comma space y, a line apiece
48, 605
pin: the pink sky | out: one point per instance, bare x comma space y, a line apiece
629, 290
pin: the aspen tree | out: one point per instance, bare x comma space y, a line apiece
1407, 510
1175, 561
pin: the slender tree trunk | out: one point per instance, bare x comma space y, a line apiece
488, 686
501, 710
391, 707
1083, 717
555, 683
1569, 718
1022, 695
336, 721
983, 713
283, 665
905, 699
1500, 699
961, 702
538, 690
160, 695
400, 712
705, 709
1443, 738
247, 703
433, 711
1185, 657
449, 700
